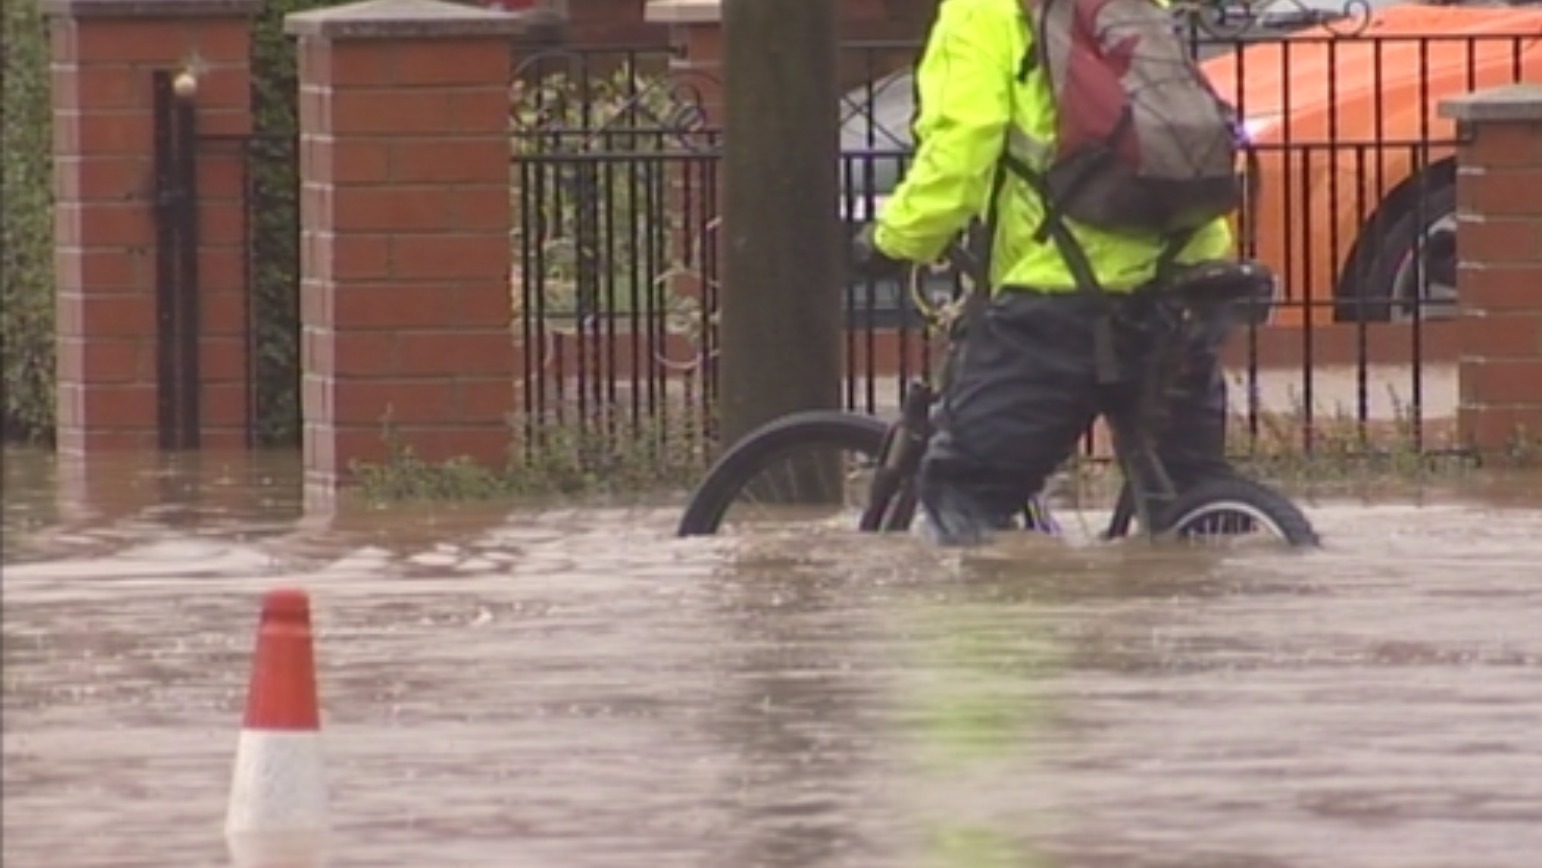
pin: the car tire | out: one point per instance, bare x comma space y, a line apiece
1372, 288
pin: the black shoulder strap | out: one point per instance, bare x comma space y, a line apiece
1169, 255
1055, 229
992, 221
1106, 359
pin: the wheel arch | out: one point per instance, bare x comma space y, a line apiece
1399, 202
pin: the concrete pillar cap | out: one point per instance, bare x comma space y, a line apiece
404, 19
129, 9
683, 12
1508, 104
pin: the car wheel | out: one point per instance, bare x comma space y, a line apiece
1409, 268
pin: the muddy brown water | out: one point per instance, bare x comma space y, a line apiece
571, 686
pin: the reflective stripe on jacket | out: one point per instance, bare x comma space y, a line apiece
970, 97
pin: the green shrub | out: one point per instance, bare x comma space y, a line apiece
26, 226
576, 459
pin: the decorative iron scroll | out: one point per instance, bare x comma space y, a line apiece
580, 97
1262, 19
615, 157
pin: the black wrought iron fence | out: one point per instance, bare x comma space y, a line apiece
616, 190
267, 166
615, 212
1355, 211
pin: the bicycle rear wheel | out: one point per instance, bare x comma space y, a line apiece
802, 467
1228, 510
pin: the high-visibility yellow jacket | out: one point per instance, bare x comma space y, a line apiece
971, 104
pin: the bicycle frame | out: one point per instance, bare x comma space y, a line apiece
1182, 326
1135, 431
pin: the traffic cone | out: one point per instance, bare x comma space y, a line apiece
278, 794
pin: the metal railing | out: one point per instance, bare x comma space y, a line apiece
615, 180
616, 177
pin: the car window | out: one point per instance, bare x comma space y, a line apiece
875, 133
878, 115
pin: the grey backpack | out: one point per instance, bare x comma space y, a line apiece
1143, 142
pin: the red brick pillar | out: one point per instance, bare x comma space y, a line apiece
405, 216
1499, 284
104, 55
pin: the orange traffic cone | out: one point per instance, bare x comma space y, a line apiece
278, 795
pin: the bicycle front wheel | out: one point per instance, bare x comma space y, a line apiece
803, 467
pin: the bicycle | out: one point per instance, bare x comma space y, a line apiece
1193, 304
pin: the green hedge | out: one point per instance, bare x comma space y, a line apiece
275, 243
26, 226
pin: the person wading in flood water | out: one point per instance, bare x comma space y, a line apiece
1084, 135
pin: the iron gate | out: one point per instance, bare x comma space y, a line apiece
269, 276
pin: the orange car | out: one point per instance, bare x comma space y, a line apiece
1356, 196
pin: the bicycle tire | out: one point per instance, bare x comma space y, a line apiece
736, 468
1244, 495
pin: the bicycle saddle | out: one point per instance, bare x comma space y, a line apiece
1219, 281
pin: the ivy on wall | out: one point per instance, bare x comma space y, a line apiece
26, 226
275, 213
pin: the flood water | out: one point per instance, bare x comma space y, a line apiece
573, 687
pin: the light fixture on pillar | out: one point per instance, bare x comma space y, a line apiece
185, 83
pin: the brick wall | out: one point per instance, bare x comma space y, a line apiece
1499, 214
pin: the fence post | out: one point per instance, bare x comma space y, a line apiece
405, 248
104, 56
1499, 280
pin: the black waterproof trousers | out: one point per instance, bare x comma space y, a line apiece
1023, 391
